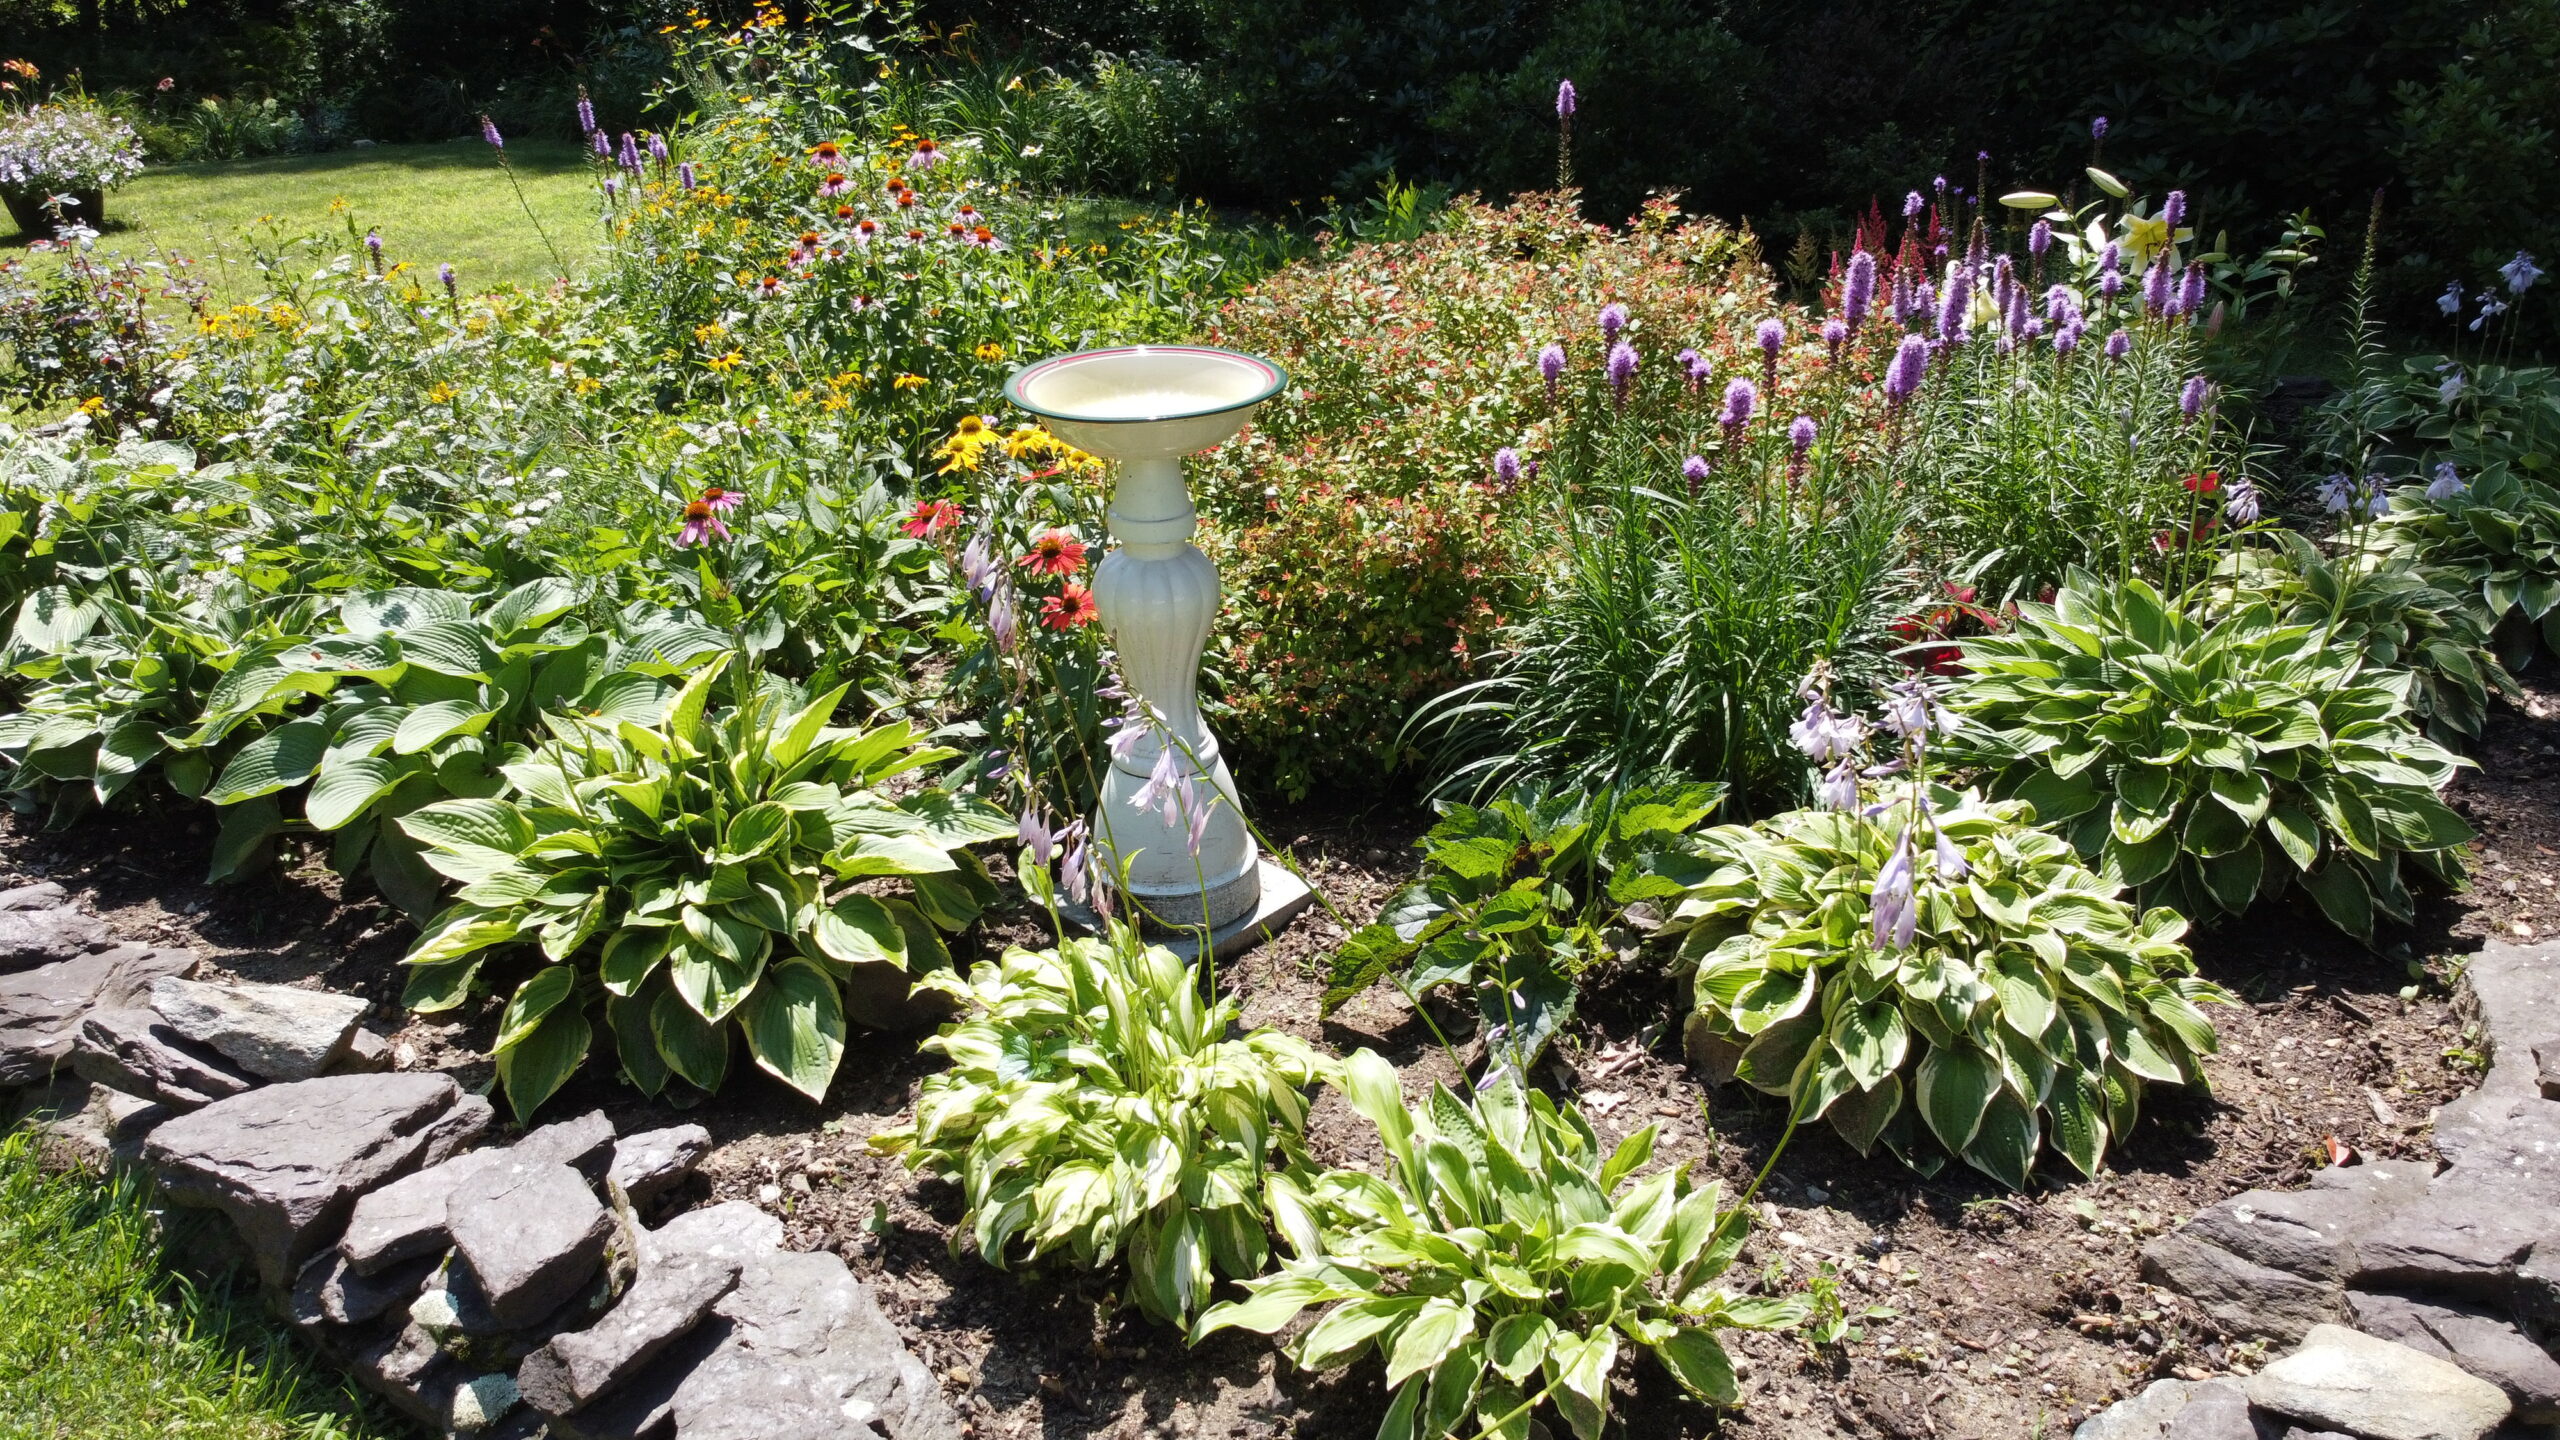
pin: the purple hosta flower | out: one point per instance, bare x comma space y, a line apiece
1955, 307
1912, 711
1506, 467
1858, 288
1825, 737
1566, 101
2191, 397
603, 144
1075, 869
1551, 365
1950, 862
2098, 128
2155, 286
586, 113
1035, 834
977, 567
1621, 369
2119, 345
2337, 493
1694, 469
1613, 318
1910, 363
1835, 334
2450, 302
2520, 273
2039, 238
2191, 291
684, 175
630, 153
1838, 787
2448, 482
1740, 398
2452, 387
1003, 623
1162, 790
489, 132
445, 273
2489, 307
1894, 902
658, 148
2240, 500
2173, 211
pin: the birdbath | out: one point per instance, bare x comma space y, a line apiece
1147, 406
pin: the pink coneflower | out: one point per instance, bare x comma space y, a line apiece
983, 238
926, 157
1072, 606
863, 232
827, 155
768, 288
931, 518
1054, 552
702, 525
837, 183
721, 500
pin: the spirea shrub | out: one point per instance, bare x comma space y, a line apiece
2210, 752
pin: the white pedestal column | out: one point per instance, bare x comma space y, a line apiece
1158, 596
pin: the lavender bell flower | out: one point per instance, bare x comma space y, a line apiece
2191, 397
1838, 788
1002, 622
1160, 791
1551, 365
2119, 345
2489, 307
2452, 387
1613, 318
1951, 865
1910, 363
1621, 369
1566, 101
2450, 302
2240, 501
2375, 496
1858, 288
1740, 399
977, 569
1893, 903
1035, 835
2520, 273
2335, 492
2447, 484
1912, 710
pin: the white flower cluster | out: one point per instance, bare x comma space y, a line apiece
58, 148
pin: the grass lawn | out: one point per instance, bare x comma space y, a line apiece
434, 204
99, 1340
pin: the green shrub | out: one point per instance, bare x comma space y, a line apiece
679, 871
1096, 1106
1501, 1245
2029, 1007
2209, 753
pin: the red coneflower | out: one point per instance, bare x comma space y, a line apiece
906, 199
863, 232
844, 212
926, 157
1070, 607
955, 230
1054, 552
915, 234
836, 183
930, 518
768, 287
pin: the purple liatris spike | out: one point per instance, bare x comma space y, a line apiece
1613, 318
1912, 205
1835, 334
1740, 399
1695, 470
1566, 100
2155, 287
2040, 238
2191, 396
2066, 338
1551, 366
1858, 289
1800, 433
373, 245
1955, 306
1506, 466
2015, 313
2173, 211
603, 144
1772, 336
2119, 345
2055, 301
489, 132
586, 113
2191, 291
1910, 363
658, 148
445, 273
2098, 128
630, 153
684, 175
1621, 369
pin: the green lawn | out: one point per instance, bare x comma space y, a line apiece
100, 1340
434, 204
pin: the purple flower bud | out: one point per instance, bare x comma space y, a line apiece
2155, 286
1695, 468
1621, 369
2119, 345
2191, 397
1835, 333
445, 274
1566, 101
2173, 212
489, 132
2191, 291
2098, 128
630, 153
612, 188
1613, 318
586, 113
1800, 433
1955, 309
1772, 335
1506, 466
603, 144
684, 175
1910, 363
658, 148
1912, 205
1858, 288
1740, 399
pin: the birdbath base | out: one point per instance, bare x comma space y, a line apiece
1284, 898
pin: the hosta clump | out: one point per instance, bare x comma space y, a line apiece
2401, 618
1503, 1262
2494, 539
1096, 1106
681, 873
2024, 1004
2211, 752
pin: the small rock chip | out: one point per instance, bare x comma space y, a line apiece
479, 1402
532, 1234
2345, 1380
276, 1032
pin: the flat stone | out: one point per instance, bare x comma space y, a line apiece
480, 1401
2240, 1294
731, 1230
669, 1299
275, 1032
99, 1127
531, 1232
2145, 1416
408, 1369
2474, 1339
649, 1164
366, 1054
31, 936
331, 1292
2306, 1232
133, 1051
2467, 1239
406, 1218
34, 895
286, 1162
2345, 1380
810, 1355
643, 1407
1280, 899
41, 1009
2506, 989
2215, 1410
2546, 1067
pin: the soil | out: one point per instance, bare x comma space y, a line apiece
1979, 1315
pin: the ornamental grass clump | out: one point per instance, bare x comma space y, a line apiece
1503, 1265
2210, 753
1097, 1106
1931, 971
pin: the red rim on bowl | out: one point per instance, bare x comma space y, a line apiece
1275, 380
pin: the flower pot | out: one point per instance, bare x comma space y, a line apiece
27, 208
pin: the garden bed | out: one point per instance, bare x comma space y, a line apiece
2013, 1314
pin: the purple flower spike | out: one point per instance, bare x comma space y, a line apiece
1800, 433
2066, 339
1621, 369
1835, 334
1955, 307
684, 175
1912, 205
2155, 287
658, 148
1613, 318
489, 132
445, 274
2119, 345
630, 153
1858, 288
2191, 397
2040, 238
2098, 128
2173, 211
1506, 466
1772, 335
1551, 366
586, 113
603, 144
1910, 363
1695, 468
1566, 101
1740, 399
2191, 291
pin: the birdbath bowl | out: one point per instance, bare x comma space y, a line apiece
1147, 406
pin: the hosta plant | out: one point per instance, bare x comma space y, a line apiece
1097, 1107
1518, 899
2496, 542
689, 874
1504, 1262
2209, 752
2025, 1004
2402, 619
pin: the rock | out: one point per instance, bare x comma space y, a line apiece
41, 1009
2215, 1410
669, 1299
34, 895
332, 1292
2467, 1239
2507, 990
275, 1032
2240, 1294
479, 1402
643, 1407
32, 936
2139, 1417
2476, 1340
650, 1164
286, 1162
809, 1352
732, 1229
366, 1054
531, 1232
132, 1051
2344, 1380
407, 1369
97, 1127
2546, 1067
407, 1217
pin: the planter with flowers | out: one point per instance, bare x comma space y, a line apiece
73, 150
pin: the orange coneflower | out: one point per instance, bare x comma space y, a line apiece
1054, 552
1070, 607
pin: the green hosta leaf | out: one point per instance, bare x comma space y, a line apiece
714, 980
634, 1045
2079, 1131
794, 1024
1518, 1344
488, 824
1955, 1086
431, 725
534, 999
2343, 896
752, 833
1578, 1366
2296, 833
692, 1047
859, 930
530, 606
1699, 1363
285, 755
1428, 1337
2004, 1146
246, 840
1341, 1333
346, 787
891, 855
